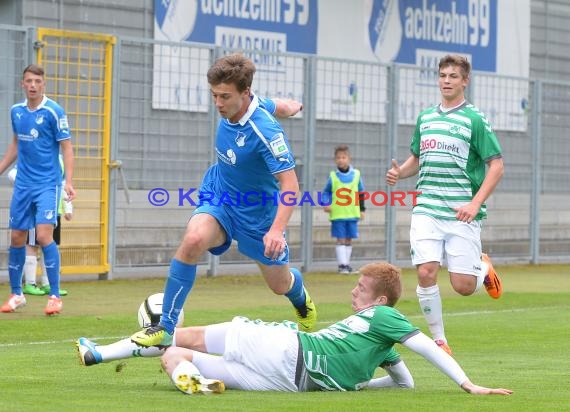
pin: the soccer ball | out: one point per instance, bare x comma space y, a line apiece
151, 309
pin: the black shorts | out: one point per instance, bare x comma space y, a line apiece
56, 234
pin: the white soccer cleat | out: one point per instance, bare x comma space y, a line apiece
14, 302
187, 378
192, 384
87, 352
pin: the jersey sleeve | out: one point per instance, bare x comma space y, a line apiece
393, 325
13, 118
61, 124
273, 143
277, 152
326, 199
415, 141
361, 184
484, 140
328, 185
267, 104
392, 357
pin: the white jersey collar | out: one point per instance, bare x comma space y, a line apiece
39, 106
448, 109
254, 104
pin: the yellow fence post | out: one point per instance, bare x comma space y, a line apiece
78, 70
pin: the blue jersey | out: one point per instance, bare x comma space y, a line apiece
39, 133
250, 152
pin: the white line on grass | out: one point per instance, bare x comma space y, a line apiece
453, 314
53, 342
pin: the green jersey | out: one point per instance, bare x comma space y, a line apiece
345, 355
452, 148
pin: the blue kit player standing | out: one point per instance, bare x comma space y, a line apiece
41, 130
240, 198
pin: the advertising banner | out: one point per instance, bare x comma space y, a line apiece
493, 34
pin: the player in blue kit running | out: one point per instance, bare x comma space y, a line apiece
41, 130
254, 159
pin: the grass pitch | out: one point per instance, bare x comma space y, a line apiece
520, 341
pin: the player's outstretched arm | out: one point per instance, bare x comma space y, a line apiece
286, 107
424, 346
473, 389
399, 376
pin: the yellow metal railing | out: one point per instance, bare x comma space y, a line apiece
78, 70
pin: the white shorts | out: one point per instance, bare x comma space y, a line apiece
451, 241
262, 356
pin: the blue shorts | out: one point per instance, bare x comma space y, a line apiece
249, 240
344, 229
34, 206
244, 223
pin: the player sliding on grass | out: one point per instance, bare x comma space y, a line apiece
253, 157
276, 356
451, 146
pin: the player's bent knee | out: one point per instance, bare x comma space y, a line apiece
165, 360
465, 285
279, 289
464, 290
192, 246
427, 272
172, 357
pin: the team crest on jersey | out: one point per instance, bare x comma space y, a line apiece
63, 123
240, 139
278, 145
49, 214
39, 119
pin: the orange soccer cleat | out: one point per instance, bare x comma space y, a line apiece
53, 306
492, 281
443, 345
14, 302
